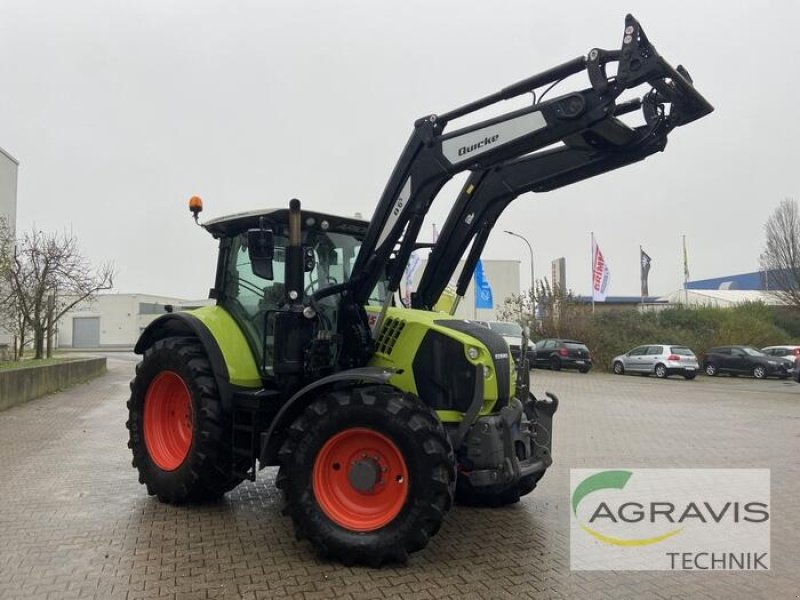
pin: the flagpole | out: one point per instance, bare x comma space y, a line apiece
592, 273
685, 274
641, 282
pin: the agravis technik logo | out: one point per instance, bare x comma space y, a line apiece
670, 519
611, 480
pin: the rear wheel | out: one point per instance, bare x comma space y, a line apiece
661, 371
368, 475
555, 363
178, 433
619, 368
760, 372
689, 375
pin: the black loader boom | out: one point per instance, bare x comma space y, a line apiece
585, 121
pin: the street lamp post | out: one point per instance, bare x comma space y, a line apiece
533, 281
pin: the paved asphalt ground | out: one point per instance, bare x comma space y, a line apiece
74, 522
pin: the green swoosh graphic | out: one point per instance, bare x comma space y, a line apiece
611, 480
599, 481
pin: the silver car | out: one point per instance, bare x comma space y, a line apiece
788, 352
662, 360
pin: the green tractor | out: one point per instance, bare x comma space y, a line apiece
380, 414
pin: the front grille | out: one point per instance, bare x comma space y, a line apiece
445, 379
496, 345
392, 328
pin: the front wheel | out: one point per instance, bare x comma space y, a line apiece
711, 370
619, 368
179, 435
760, 372
368, 474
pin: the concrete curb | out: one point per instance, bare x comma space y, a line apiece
21, 385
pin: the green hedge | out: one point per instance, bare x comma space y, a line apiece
611, 332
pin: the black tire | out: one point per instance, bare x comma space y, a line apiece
555, 363
205, 473
711, 369
661, 371
619, 368
495, 497
760, 372
422, 442
583, 370
689, 376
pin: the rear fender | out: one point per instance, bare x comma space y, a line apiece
231, 359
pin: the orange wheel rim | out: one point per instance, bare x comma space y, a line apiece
168, 420
360, 479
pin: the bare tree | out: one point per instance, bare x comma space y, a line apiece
780, 260
47, 276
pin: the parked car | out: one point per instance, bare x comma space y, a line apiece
661, 360
788, 352
558, 354
745, 360
512, 333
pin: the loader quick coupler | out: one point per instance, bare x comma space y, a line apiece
501, 449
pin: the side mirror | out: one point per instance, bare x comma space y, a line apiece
261, 249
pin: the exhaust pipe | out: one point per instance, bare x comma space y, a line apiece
294, 256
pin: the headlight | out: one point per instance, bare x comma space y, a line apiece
473, 353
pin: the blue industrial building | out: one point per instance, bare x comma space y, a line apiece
758, 281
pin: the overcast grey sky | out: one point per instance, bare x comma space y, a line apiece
120, 111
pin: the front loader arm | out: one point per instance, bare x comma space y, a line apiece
431, 156
487, 193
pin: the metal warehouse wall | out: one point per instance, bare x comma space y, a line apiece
8, 203
122, 317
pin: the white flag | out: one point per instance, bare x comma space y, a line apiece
600, 274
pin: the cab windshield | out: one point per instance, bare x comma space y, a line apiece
252, 300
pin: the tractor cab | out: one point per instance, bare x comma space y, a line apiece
251, 278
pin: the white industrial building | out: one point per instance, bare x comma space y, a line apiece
114, 321
8, 212
503, 277
720, 298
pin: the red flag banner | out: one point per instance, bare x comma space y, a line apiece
600, 275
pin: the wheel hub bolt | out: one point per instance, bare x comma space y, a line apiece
364, 474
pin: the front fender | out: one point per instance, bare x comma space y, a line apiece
297, 403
